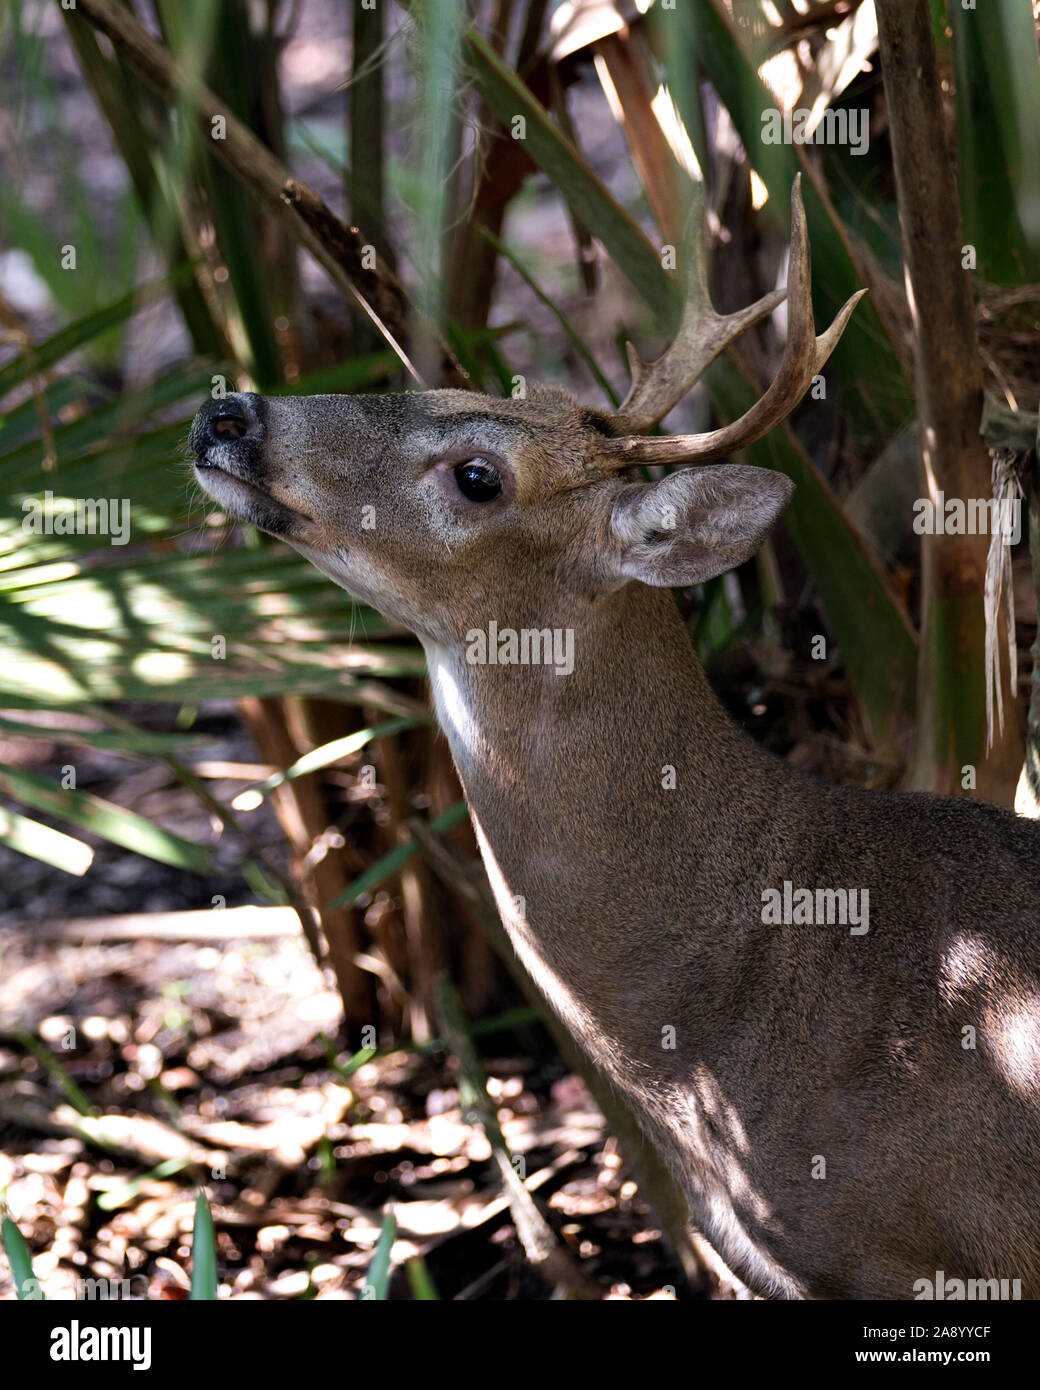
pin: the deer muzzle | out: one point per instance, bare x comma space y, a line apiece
227, 438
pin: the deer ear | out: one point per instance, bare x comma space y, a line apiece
696, 523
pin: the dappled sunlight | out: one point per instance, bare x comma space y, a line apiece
729, 1196
979, 983
966, 964
532, 955
1012, 1031
156, 668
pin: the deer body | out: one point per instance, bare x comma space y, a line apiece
642, 910
850, 1108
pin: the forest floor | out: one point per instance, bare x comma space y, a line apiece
168, 1064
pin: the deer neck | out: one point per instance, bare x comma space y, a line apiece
608, 801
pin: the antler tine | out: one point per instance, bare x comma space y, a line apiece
804, 355
701, 336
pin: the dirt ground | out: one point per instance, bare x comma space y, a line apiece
213, 1063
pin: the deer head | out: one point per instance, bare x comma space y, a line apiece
433, 506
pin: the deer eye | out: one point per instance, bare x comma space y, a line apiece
478, 480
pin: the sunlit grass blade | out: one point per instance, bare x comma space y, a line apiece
347, 1069
117, 1197
42, 842
323, 756
111, 822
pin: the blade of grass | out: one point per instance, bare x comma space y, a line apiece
117, 1197
41, 842
50, 1063
377, 1279
91, 326
203, 1253
346, 1069
420, 1280
25, 1281
142, 743
537, 1237
111, 822
324, 756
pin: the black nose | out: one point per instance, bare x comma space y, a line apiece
225, 421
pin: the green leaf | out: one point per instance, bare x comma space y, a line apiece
586, 194
378, 1278
111, 822
420, 1280
347, 1069
142, 742
324, 756
50, 1063
90, 327
117, 1197
203, 1253
25, 1281
40, 842
998, 164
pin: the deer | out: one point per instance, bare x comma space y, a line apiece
847, 1091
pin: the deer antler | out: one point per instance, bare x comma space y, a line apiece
702, 335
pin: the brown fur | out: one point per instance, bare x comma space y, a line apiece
751, 1052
